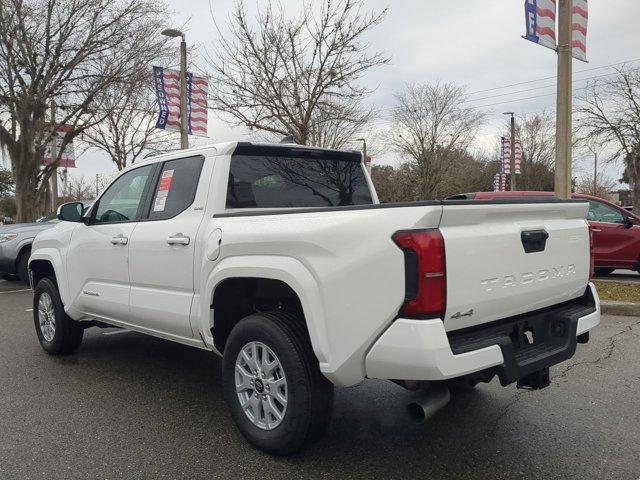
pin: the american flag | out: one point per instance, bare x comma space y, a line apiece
505, 155
579, 17
167, 84
540, 17
68, 157
499, 182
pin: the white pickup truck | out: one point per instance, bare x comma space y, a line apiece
280, 259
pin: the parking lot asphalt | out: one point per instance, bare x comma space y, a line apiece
128, 406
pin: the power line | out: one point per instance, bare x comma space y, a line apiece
553, 77
535, 88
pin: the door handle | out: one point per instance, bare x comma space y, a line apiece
119, 240
178, 239
596, 230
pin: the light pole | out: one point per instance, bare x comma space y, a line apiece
513, 150
184, 129
364, 153
562, 183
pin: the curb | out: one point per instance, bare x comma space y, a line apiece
620, 308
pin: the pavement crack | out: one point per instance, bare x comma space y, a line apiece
607, 353
503, 413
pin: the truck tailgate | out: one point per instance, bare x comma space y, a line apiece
504, 259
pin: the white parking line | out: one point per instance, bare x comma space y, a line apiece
16, 291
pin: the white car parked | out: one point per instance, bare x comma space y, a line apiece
280, 259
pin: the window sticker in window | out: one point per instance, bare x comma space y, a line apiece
163, 191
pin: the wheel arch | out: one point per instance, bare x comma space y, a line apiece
284, 277
47, 262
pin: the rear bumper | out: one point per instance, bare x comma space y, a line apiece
423, 350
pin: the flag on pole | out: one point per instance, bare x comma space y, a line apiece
540, 17
499, 182
579, 18
167, 83
505, 155
67, 158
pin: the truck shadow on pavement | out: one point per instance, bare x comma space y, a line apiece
174, 393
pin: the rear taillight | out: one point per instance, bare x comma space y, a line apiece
425, 272
592, 262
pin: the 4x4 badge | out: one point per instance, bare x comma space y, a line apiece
465, 314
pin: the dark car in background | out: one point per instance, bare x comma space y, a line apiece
616, 231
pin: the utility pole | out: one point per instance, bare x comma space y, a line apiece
595, 171
364, 154
54, 155
184, 120
184, 125
562, 185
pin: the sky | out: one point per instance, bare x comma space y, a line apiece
476, 43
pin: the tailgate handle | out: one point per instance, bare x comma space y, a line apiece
534, 240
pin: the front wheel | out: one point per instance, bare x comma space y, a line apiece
272, 383
58, 334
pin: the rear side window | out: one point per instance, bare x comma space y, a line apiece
266, 181
176, 187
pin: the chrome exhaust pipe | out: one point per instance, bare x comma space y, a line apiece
435, 397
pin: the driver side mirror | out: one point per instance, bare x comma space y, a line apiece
629, 222
71, 212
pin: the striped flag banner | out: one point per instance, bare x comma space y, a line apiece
167, 83
499, 182
579, 20
68, 157
505, 154
540, 17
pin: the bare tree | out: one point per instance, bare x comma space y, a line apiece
128, 130
609, 111
80, 189
431, 129
297, 76
604, 185
69, 51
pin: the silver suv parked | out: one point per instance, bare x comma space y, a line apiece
15, 246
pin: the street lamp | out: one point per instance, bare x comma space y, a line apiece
513, 150
173, 33
364, 153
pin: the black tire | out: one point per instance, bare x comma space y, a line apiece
310, 394
68, 333
604, 270
22, 266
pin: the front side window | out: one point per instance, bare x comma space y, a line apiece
121, 201
176, 188
273, 181
599, 212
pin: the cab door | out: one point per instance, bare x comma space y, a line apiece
98, 255
162, 248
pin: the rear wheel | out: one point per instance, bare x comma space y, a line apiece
58, 334
272, 383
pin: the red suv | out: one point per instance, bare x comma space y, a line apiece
616, 231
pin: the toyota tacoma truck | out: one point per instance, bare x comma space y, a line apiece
279, 258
